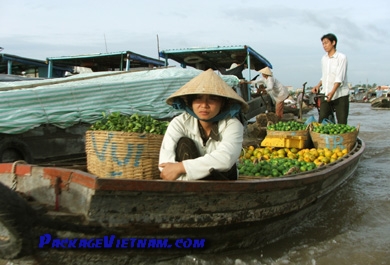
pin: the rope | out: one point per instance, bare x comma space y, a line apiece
14, 177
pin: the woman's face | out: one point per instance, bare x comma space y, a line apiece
206, 106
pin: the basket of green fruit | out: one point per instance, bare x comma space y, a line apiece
124, 146
332, 136
287, 128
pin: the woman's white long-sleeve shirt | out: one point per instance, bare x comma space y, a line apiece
276, 89
220, 155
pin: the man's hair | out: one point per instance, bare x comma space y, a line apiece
331, 37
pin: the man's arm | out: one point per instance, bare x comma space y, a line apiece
316, 88
330, 95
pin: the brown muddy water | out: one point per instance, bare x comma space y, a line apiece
351, 228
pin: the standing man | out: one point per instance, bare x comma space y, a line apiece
334, 82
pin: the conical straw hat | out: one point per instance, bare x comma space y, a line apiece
208, 82
266, 71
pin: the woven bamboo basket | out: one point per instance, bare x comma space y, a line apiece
342, 141
304, 133
112, 154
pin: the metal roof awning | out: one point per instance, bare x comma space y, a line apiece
220, 57
21, 60
107, 61
23, 63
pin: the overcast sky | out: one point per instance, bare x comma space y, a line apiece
286, 32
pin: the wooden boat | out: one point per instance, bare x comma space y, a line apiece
287, 108
226, 214
291, 108
382, 102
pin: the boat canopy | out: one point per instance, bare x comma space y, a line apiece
219, 58
13, 64
121, 61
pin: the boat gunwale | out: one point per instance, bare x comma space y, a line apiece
93, 182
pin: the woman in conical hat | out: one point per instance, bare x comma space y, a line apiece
275, 89
205, 141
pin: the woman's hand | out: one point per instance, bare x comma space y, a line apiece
171, 171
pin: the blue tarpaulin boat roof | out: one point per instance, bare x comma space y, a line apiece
84, 98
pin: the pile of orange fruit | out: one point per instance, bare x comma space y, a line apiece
318, 156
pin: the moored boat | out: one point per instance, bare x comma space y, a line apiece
291, 108
382, 102
226, 214
56, 113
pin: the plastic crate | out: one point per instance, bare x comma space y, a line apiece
286, 141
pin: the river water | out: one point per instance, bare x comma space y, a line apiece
352, 228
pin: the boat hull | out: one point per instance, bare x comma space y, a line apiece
228, 214
381, 103
295, 111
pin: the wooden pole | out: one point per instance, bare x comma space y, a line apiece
158, 47
301, 103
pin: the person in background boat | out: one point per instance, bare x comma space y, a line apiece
379, 92
205, 141
278, 92
334, 82
236, 69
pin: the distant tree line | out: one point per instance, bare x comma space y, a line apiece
374, 85
366, 86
